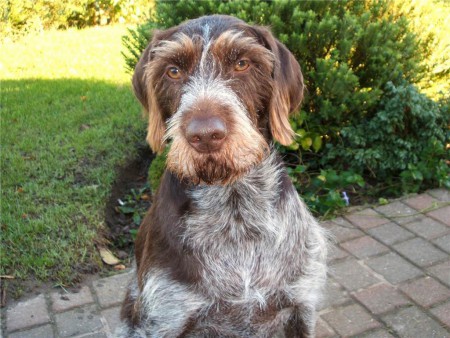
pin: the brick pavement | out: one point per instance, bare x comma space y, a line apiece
389, 276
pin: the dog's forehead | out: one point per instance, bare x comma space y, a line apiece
210, 27
197, 41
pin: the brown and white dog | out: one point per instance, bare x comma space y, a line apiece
228, 249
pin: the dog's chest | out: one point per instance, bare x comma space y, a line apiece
242, 239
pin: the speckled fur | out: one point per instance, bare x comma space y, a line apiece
235, 254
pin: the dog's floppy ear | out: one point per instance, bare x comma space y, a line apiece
288, 87
145, 94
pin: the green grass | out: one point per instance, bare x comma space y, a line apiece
68, 119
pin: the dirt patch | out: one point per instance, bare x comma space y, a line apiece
129, 200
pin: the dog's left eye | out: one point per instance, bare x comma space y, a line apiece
174, 73
241, 65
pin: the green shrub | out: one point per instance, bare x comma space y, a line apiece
406, 137
135, 42
156, 169
429, 20
328, 191
349, 52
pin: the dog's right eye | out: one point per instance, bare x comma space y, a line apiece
173, 73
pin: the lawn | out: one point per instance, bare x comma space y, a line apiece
68, 120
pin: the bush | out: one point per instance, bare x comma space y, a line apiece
405, 137
156, 170
358, 58
429, 20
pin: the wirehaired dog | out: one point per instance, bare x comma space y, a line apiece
227, 249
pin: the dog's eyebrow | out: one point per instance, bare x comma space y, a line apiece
231, 38
181, 45
232, 44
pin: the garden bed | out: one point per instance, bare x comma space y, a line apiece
129, 201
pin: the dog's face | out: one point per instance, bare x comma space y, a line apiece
220, 90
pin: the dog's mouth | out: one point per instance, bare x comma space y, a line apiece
219, 167
216, 170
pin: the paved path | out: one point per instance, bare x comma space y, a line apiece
389, 277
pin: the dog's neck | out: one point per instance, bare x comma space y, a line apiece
244, 209
260, 182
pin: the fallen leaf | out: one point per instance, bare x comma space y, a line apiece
7, 277
145, 197
119, 267
107, 256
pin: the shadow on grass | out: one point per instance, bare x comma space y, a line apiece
62, 144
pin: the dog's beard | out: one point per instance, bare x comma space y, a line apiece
222, 167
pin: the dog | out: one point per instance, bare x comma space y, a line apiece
228, 249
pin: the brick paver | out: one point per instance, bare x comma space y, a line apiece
323, 330
27, 313
78, 321
443, 243
394, 268
389, 276
420, 252
366, 219
435, 291
442, 312
62, 301
399, 212
111, 291
343, 230
334, 295
381, 298
364, 247
390, 233
442, 215
442, 195
428, 228
421, 202
377, 334
441, 272
352, 275
350, 320
36, 332
335, 253
413, 322
112, 317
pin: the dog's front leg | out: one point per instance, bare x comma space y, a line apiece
301, 324
163, 307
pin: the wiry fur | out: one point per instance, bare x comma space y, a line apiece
246, 146
228, 248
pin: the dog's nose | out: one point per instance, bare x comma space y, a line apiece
206, 134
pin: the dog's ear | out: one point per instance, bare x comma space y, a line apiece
288, 87
146, 95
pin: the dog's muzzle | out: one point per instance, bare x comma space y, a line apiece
206, 133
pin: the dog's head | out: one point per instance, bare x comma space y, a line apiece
220, 90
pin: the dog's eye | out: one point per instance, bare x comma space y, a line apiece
174, 73
241, 65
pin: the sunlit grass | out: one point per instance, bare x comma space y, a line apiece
68, 118
92, 53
